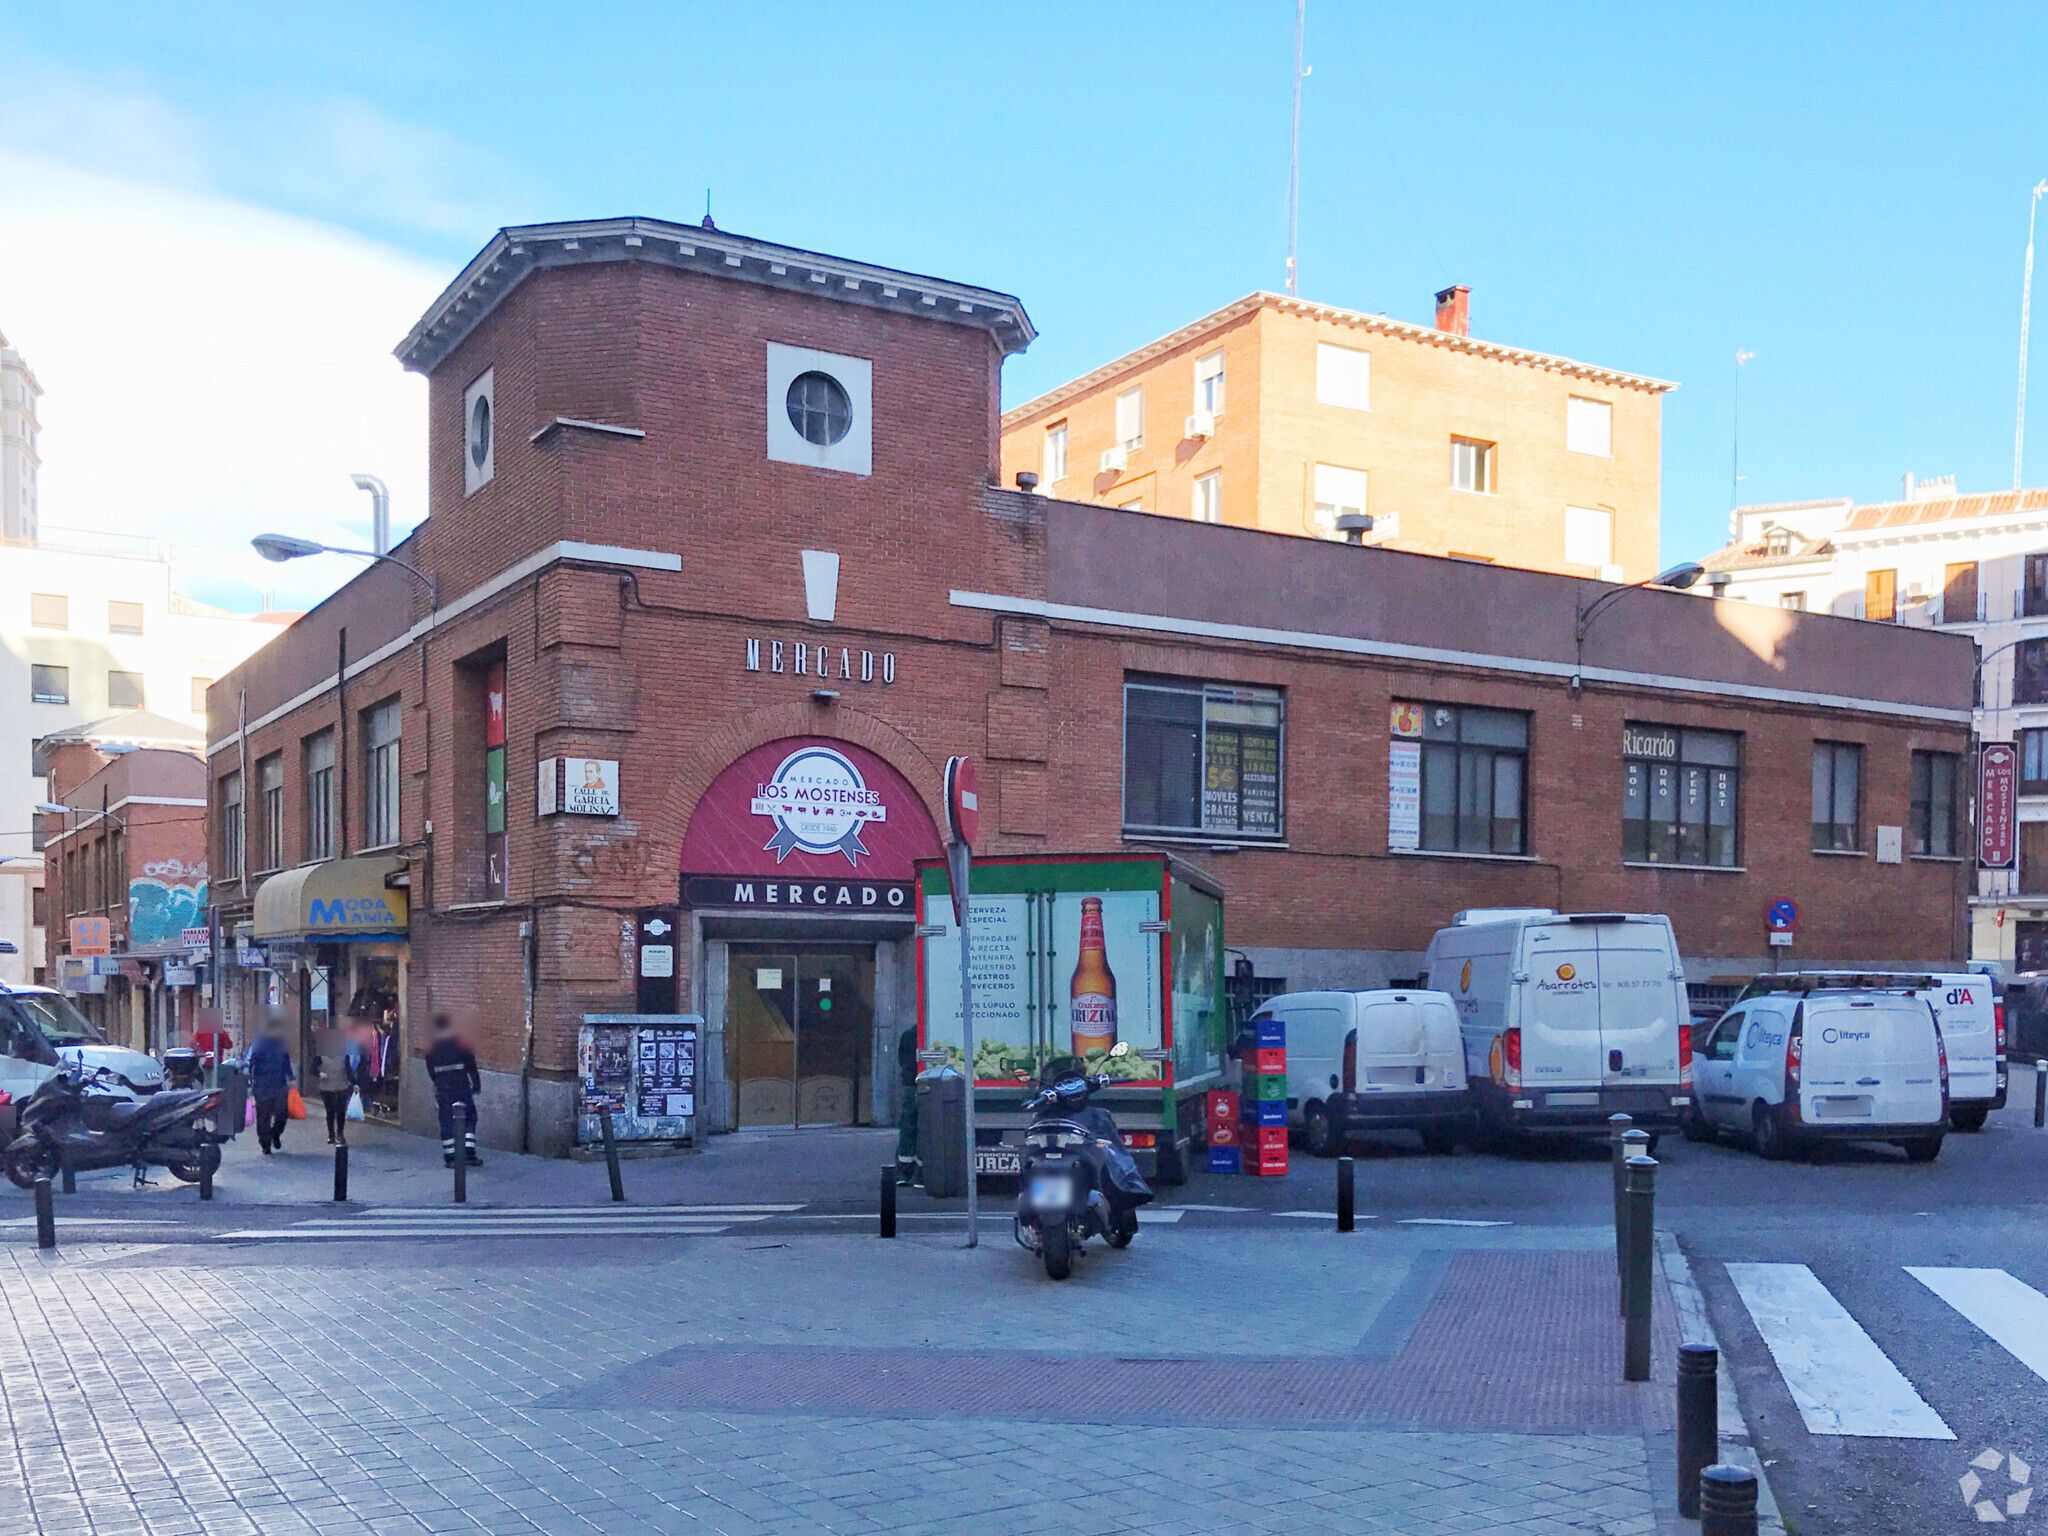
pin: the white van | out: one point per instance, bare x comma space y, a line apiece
1372, 1061
1567, 1018
42, 1032
1854, 1062
1966, 1005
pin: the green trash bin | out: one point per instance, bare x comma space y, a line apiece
942, 1132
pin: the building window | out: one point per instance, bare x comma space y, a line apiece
2033, 877
49, 610
124, 690
1343, 377
1796, 601
2033, 747
1589, 426
1474, 779
1337, 491
1209, 384
49, 685
1588, 536
270, 811
38, 907
1209, 497
1959, 593
1934, 804
231, 826
1680, 791
479, 433
2034, 591
1130, 419
1055, 469
1837, 796
380, 775
1777, 541
819, 408
2030, 672
319, 753
1472, 465
1202, 759
199, 687
1881, 596
124, 618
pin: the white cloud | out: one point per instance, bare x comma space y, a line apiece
211, 370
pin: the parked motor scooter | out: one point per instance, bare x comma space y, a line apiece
65, 1123
1078, 1180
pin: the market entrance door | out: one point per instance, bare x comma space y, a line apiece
798, 1027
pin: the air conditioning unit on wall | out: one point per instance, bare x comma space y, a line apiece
1201, 424
1115, 459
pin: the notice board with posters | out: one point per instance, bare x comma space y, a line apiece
644, 1067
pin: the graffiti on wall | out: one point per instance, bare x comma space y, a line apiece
162, 906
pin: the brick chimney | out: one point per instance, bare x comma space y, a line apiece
1450, 311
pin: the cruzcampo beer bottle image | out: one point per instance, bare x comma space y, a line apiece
1094, 987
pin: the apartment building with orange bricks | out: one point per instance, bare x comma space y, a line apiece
1285, 416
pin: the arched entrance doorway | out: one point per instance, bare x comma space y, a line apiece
797, 872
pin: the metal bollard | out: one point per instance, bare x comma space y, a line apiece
46, 1216
611, 1152
1699, 1421
70, 1176
461, 1171
1634, 1143
206, 1168
1617, 1127
1637, 1281
341, 1172
1346, 1192
2040, 1093
1727, 1501
888, 1200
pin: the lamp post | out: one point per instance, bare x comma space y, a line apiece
1678, 577
281, 547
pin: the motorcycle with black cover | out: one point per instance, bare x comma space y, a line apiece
1078, 1179
65, 1123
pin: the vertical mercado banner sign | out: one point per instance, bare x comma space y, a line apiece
494, 781
1998, 803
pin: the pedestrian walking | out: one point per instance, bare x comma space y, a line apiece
335, 1077
906, 1117
452, 1066
270, 1084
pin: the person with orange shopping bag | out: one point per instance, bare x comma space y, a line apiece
270, 1085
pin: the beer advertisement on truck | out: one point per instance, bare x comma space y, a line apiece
1072, 956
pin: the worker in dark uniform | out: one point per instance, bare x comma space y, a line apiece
452, 1066
906, 1118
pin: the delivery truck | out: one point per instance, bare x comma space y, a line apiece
1070, 955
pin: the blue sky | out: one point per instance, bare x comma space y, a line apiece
1840, 190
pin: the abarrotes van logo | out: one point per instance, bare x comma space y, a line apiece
818, 801
1994, 1498
1465, 978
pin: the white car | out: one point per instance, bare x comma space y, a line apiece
42, 1033
1567, 1018
1372, 1061
1970, 1012
1825, 1062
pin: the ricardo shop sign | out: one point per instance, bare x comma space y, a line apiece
807, 824
1998, 805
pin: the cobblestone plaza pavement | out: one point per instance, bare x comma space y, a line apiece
1246, 1379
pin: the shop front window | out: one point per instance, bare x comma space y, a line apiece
1680, 791
1202, 758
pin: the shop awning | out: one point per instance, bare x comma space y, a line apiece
341, 899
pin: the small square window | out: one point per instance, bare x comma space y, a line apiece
124, 690
49, 610
1343, 377
1130, 419
1472, 465
124, 618
1337, 491
1209, 497
1588, 536
1589, 426
49, 685
199, 687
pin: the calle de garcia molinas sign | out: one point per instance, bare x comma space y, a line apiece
817, 801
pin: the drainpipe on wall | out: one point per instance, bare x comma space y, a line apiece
527, 948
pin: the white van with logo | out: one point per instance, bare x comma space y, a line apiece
1567, 1018
1823, 1062
1968, 1007
42, 1033
1372, 1061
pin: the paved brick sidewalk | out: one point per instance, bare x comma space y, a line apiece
177, 1391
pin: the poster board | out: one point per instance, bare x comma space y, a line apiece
642, 1065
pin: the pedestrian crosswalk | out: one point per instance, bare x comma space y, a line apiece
1840, 1377
529, 1222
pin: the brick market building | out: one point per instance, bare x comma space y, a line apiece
715, 526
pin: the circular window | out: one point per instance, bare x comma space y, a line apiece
480, 431
819, 409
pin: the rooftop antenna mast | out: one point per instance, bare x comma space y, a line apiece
1735, 448
2019, 431
1294, 157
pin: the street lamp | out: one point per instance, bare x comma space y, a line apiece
1679, 577
281, 547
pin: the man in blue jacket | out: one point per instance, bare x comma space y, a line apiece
451, 1065
270, 1084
